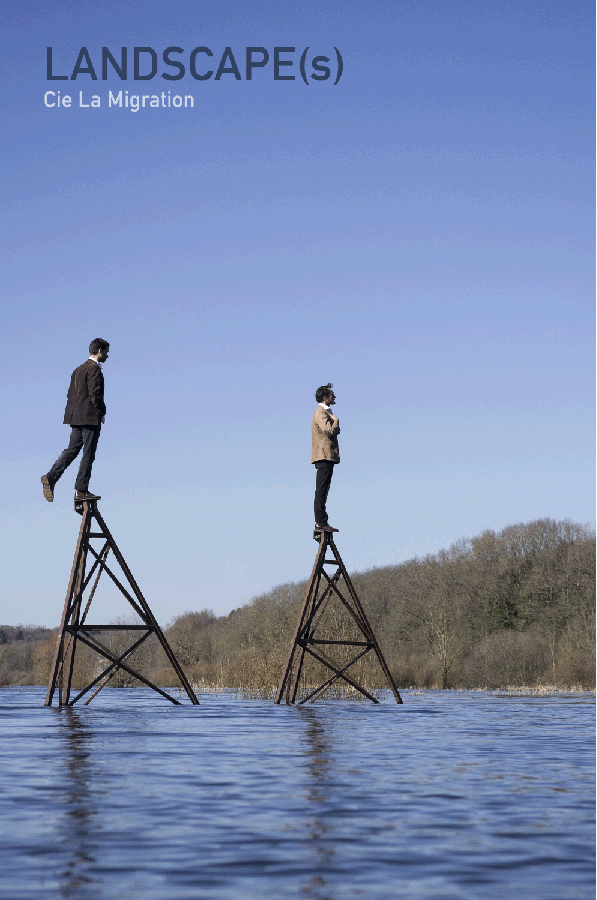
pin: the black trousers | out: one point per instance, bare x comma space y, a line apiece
81, 436
325, 470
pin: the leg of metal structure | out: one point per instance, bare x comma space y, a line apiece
57, 663
300, 648
369, 630
70, 644
295, 650
289, 682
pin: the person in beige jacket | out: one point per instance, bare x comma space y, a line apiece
325, 454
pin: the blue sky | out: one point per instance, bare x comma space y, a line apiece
420, 234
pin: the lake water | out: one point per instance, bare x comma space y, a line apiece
450, 796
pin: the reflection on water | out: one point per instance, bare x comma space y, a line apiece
77, 826
318, 754
452, 796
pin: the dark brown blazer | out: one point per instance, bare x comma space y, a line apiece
85, 399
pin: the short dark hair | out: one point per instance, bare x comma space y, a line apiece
98, 344
322, 392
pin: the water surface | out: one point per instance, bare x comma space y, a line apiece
451, 796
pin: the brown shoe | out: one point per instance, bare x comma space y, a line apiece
327, 528
85, 495
48, 488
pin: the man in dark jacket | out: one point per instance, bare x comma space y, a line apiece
85, 412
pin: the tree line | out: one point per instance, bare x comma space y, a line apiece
515, 607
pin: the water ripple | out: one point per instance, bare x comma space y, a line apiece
453, 796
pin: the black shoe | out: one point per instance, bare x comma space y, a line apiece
326, 528
48, 488
85, 495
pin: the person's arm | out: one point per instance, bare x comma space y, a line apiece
94, 386
328, 424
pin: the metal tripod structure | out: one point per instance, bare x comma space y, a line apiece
304, 640
74, 626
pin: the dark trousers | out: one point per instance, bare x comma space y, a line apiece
85, 436
325, 470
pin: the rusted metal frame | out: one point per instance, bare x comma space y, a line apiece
111, 668
308, 618
377, 648
91, 628
369, 630
323, 601
143, 603
355, 615
94, 566
351, 590
310, 600
324, 597
71, 644
379, 654
108, 679
293, 664
387, 673
369, 644
321, 657
299, 651
90, 636
310, 626
104, 553
105, 651
306, 603
295, 661
335, 579
126, 668
70, 618
121, 587
77, 604
86, 627
318, 691
58, 654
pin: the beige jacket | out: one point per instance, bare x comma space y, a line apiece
324, 436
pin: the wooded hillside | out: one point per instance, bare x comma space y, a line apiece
510, 608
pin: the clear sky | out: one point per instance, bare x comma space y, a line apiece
420, 234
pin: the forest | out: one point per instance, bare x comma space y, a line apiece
508, 608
